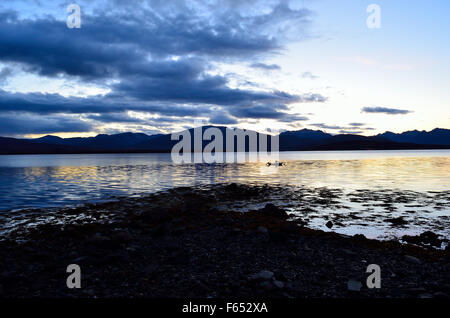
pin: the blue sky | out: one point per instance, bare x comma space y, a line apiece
159, 66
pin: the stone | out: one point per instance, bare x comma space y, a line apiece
329, 224
267, 285
278, 284
262, 275
274, 211
263, 230
354, 285
412, 260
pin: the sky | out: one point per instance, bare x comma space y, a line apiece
156, 66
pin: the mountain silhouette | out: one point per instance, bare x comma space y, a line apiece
304, 139
437, 136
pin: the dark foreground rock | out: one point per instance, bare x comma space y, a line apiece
178, 245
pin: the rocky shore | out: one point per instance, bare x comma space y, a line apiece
178, 244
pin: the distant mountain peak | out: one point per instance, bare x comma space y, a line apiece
437, 136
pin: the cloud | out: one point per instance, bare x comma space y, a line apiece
310, 98
22, 124
309, 75
115, 118
5, 73
385, 110
222, 118
325, 126
154, 57
268, 67
352, 128
351, 132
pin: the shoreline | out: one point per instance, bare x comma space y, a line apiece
166, 245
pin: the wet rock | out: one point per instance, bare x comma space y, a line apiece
290, 228
122, 236
232, 187
354, 285
262, 275
208, 257
151, 270
266, 285
99, 241
397, 221
279, 275
275, 211
329, 224
278, 284
179, 258
360, 237
412, 260
160, 230
441, 295
263, 230
426, 238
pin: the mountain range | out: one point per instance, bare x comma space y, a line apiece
299, 140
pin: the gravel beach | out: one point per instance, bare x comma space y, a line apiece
178, 244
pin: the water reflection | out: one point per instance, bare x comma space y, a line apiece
52, 180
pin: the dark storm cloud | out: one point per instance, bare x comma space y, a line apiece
115, 118
107, 44
269, 111
45, 104
5, 73
385, 110
21, 124
206, 90
156, 58
222, 118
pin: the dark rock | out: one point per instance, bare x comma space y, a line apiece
329, 224
290, 228
180, 258
354, 285
441, 295
275, 211
397, 221
262, 275
99, 241
263, 230
122, 236
412, 260
267, 285
151, 270
232, 187
278, 284
360, 237
426, 238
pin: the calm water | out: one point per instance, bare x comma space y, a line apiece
30, 181
370, 187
